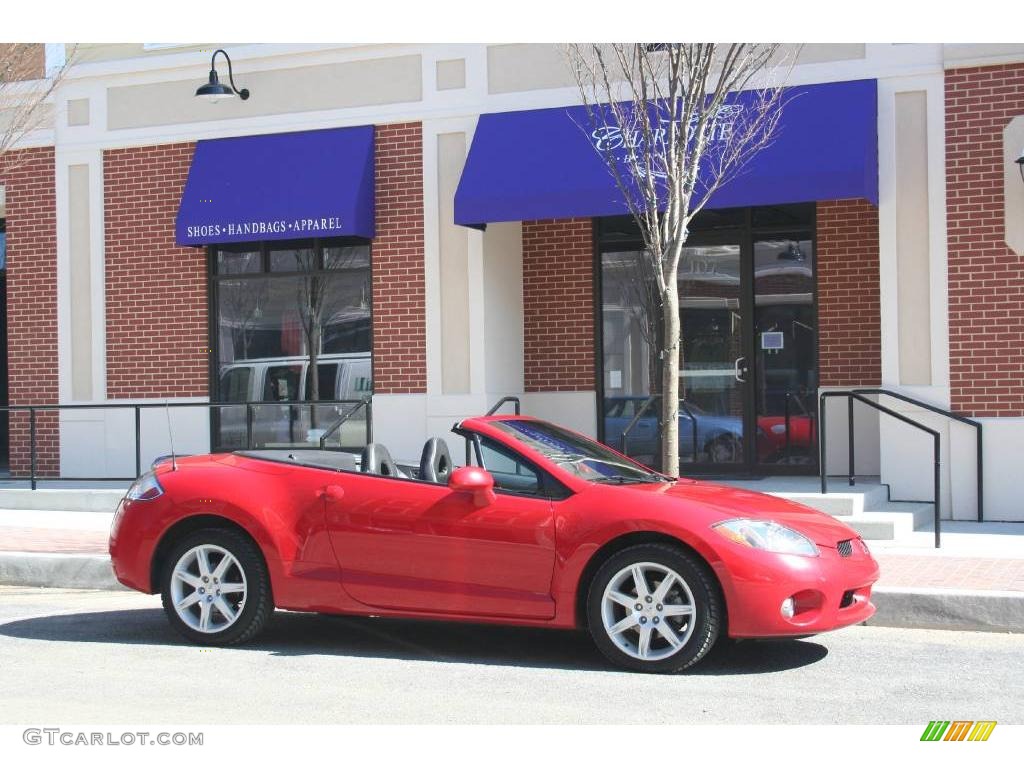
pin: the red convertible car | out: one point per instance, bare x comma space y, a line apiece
541, 527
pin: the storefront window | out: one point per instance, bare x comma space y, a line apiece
281, 310
748, 357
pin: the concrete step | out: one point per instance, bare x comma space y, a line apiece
865, 506
66, 500
842, 499
896, 521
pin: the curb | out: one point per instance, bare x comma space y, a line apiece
36, 569
929, 608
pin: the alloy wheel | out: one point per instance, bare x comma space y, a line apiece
208, 588
648, 611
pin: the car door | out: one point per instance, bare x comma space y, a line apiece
409, 545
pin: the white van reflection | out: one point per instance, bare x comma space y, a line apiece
272, 384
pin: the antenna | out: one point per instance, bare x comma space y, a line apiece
170, 434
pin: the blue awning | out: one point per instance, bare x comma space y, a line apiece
544, 164
279, 186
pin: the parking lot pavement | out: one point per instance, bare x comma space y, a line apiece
110, 657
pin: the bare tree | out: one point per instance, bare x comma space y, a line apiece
313, 289
25, 90
666, 120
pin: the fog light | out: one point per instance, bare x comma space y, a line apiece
787, 608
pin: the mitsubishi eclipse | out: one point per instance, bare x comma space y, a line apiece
540, 526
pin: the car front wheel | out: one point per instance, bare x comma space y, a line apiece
654, 608
215, 587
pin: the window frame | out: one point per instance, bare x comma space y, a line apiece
548, 486
215, 277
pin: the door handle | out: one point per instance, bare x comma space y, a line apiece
332, 493
740, 369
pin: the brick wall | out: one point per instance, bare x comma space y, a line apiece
849, 320
156, 292
399, 296
986, 279
558, 305
28, 179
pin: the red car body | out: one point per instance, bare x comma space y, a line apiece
772, 445
353, 543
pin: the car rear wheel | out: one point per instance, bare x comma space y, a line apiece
215, 587
654, 608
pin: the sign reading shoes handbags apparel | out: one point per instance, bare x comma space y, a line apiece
279, 186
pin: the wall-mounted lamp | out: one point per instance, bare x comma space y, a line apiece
215, 90
1020, 164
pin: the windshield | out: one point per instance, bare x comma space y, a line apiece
584, 458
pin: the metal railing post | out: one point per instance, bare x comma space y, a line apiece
981, 479
849, 434
821, 443
369, 420
693, 427
138, 441
248, 426
938, 462
788, 395
32, 446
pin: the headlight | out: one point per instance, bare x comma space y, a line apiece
767, 535
145, 488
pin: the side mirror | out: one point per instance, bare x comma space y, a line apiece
474, 480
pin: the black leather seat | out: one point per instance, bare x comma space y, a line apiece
377, 461
435, 461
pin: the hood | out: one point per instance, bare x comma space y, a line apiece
723, 502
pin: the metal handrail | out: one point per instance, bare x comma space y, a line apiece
636, 417
249, 405
860, 395
497, 405
980, 492
364, 403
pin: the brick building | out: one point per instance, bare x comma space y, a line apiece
146, 261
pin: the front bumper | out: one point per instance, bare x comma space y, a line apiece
828, 592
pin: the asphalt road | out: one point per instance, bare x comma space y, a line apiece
109, 657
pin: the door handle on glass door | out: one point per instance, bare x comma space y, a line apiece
332, 493
740, 369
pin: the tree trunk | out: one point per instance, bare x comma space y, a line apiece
670, 380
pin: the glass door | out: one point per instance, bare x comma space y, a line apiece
748, 357
785, 350
713, 371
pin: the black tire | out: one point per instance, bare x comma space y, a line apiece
257, 604
724, 449
708, 608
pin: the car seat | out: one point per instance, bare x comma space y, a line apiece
435, 461
377, 461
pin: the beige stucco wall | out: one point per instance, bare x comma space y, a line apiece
912, 242
1013, 185
955, 54
535, 66
367, 82
89, 52
453, 241
80, 281
503, 307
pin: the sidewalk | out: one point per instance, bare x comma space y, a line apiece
975, 581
